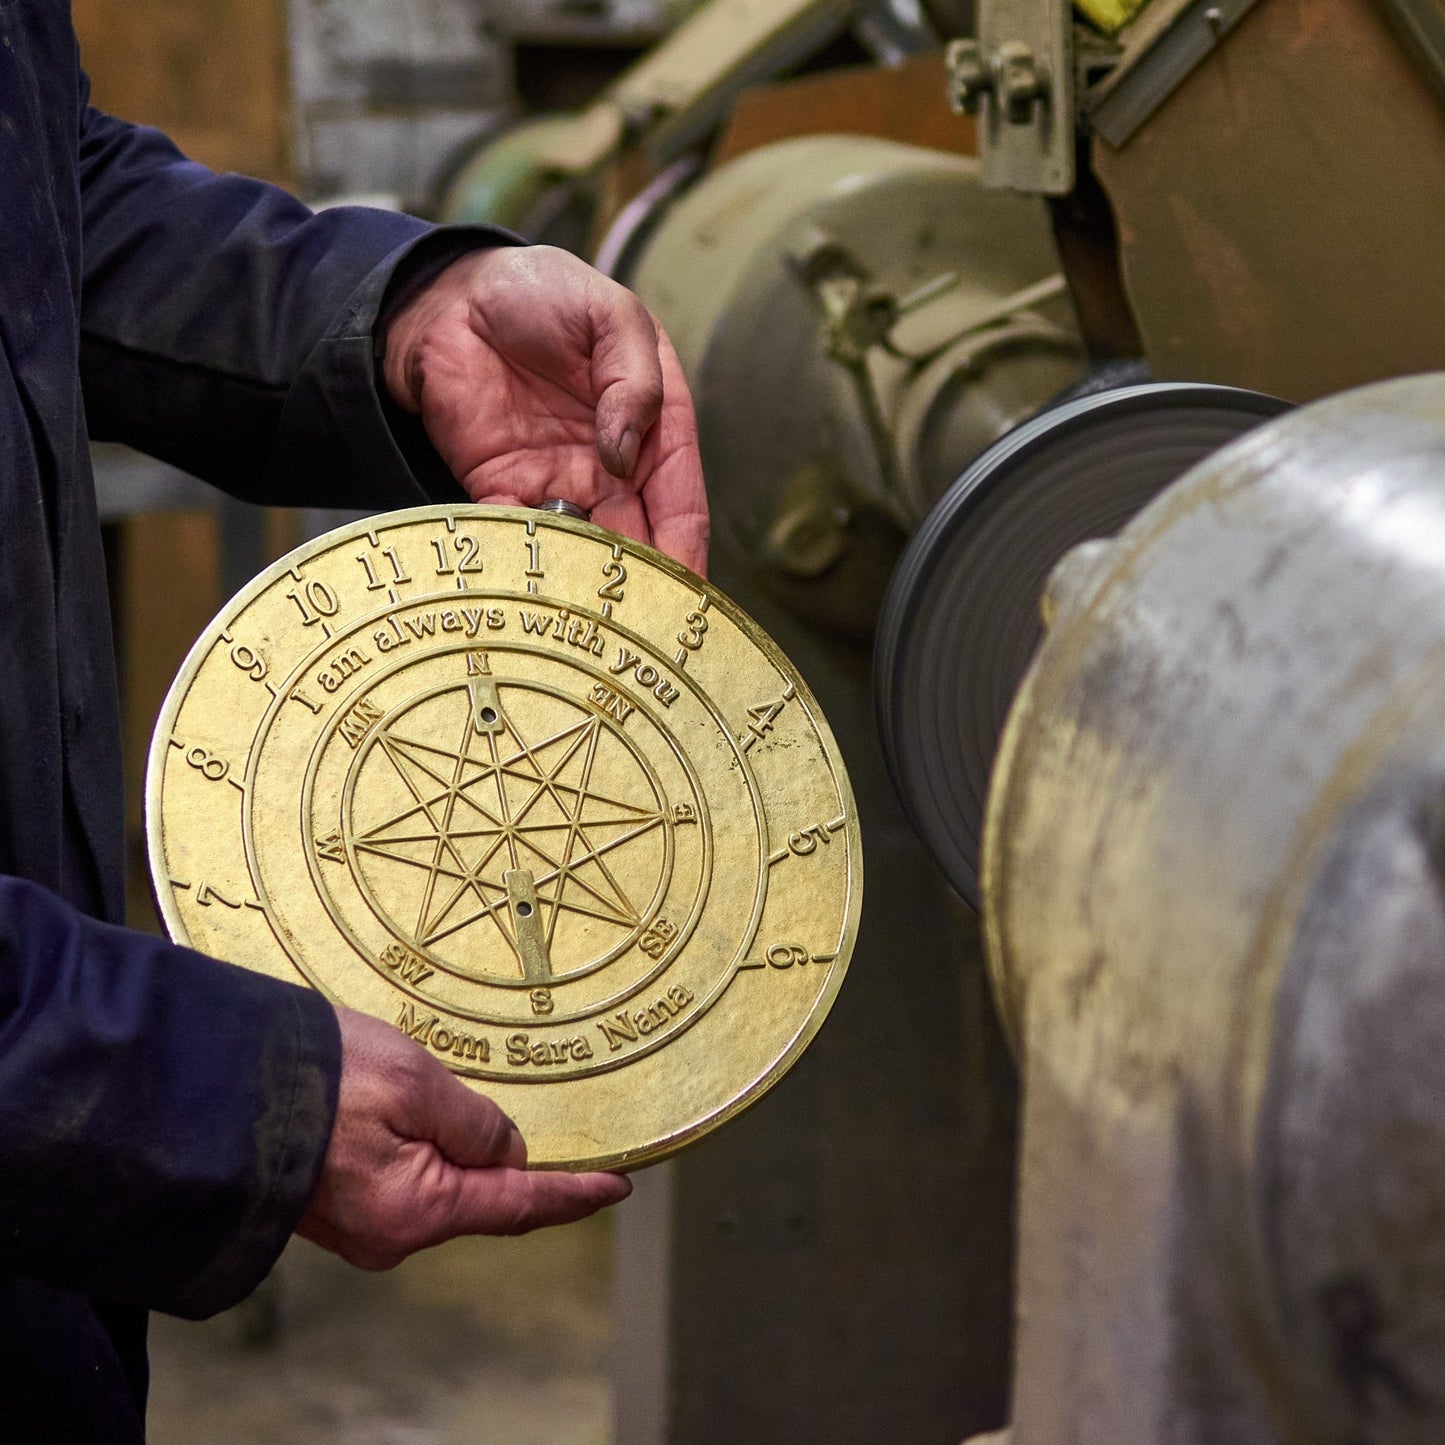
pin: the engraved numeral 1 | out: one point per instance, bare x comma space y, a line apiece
534, 558
377, 584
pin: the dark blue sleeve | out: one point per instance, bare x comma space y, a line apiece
229, 330
163, 1116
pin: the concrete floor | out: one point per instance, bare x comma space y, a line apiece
481, 1341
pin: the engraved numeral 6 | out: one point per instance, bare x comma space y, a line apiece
785, 955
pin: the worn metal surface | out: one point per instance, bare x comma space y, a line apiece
1213, 888
532, 792
1277, 215
858, 320
961, 620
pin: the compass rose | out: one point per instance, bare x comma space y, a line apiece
520, 841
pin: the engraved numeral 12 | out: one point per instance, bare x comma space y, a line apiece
467, 559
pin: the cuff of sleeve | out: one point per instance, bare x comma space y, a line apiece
342, 440
300, 1071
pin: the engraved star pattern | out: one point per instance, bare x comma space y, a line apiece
498, 801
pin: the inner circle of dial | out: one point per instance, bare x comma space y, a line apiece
475, 798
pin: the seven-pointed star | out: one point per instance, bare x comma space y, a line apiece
497, 802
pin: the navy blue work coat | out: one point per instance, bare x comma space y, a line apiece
163, 1117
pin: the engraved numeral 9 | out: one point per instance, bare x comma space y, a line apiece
785, 955
249, 661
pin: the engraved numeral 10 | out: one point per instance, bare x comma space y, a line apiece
314, 601
383, 583
466, 549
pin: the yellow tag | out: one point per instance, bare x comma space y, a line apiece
1109, 15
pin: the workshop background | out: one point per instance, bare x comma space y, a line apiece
959, 295
808, 1275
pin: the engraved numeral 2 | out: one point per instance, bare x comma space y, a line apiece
611, 590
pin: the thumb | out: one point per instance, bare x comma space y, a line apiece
468, 1128
626, 377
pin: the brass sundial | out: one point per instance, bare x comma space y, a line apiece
534, 793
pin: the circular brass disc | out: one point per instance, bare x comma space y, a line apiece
534, 793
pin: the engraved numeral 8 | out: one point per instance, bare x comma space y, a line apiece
208, 764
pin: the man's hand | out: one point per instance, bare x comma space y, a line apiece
536, 377
417, 1158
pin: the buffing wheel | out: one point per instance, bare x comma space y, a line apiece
961, 619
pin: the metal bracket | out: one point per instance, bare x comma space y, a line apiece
1160, 49
1017, 77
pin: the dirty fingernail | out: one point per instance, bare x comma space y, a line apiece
627, 449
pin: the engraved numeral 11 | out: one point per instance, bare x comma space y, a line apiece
375, 583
